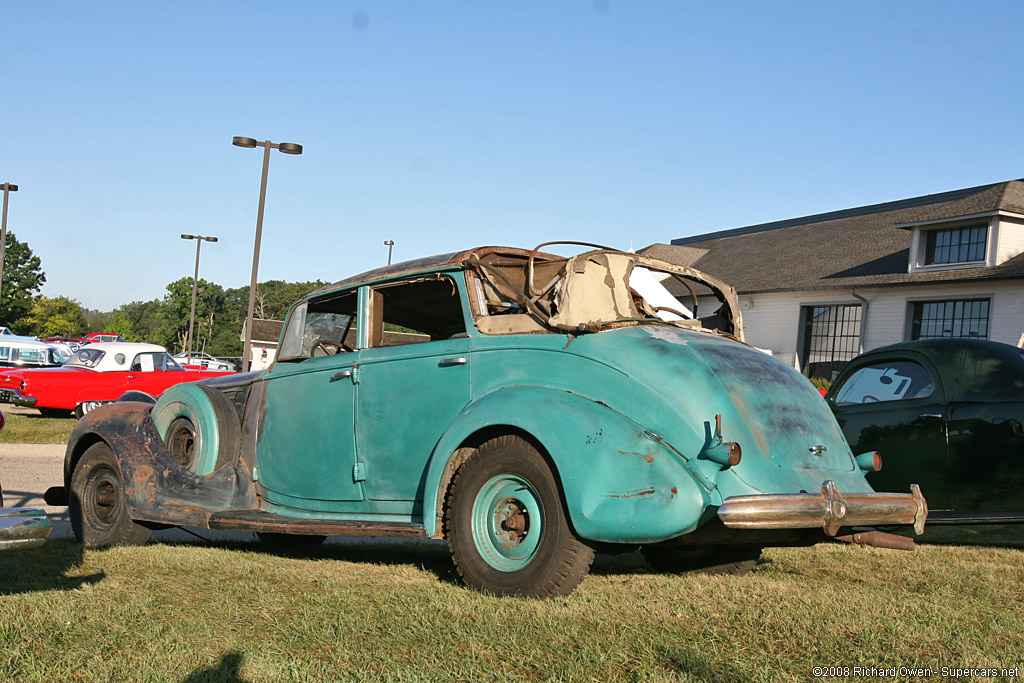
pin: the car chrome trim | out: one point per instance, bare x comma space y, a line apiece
830, 510
23, 528
979, 517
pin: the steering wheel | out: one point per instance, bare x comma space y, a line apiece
868, 398
327, 346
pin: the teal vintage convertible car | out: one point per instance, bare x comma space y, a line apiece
526, 407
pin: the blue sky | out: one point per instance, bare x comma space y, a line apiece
445, 125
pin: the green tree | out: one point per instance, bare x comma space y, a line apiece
137, 321
59, 316
175, 312
23, 278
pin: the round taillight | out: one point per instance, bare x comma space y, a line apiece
735, 454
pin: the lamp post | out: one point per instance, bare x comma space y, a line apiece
8, 188
390, 245
195, 283
267, 145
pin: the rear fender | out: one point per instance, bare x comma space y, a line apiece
620, 485
157, 487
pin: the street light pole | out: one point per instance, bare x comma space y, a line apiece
8, 188
390, 245
287, 148
195, 284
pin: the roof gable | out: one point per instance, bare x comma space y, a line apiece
842, 249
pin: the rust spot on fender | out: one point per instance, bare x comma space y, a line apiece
632, 494
142, 473
675, 491
646, 456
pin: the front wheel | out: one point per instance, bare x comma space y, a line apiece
507, 528
97, 504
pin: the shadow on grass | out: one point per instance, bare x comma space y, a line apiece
226, 671
44, 568
700, 666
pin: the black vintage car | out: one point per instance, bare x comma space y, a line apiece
946, 413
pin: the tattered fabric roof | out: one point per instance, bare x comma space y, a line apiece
860, 247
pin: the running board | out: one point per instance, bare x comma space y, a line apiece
976, 517
256, 520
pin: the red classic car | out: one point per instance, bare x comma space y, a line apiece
96, 374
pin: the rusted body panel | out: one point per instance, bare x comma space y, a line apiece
158, 489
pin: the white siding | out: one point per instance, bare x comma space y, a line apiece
1009, 239
772, 321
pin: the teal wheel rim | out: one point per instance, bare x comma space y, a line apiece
508, 522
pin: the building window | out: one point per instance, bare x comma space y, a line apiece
955, 245
953, 318
831, 338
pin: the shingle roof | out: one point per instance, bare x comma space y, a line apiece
859, 247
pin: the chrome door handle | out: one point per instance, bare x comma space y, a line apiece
344, 374
931, 416
460, 360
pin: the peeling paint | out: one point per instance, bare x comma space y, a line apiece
632, 494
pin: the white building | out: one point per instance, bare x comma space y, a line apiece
821, 289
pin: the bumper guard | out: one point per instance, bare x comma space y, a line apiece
830, 510
23, 527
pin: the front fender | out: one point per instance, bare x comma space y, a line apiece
620, 484
157, 488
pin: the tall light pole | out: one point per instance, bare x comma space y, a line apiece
390, 245
8, 188
267, 145
195, 283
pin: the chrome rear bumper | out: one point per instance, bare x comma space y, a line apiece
830, 510
23, 527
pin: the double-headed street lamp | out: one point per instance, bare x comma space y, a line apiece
8, 188
195, 283
267, 145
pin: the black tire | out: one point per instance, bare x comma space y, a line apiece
521, 542
199, 426
97, 505
701, 559
279, 540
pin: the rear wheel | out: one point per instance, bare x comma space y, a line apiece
506, 525
701, 559
97, 505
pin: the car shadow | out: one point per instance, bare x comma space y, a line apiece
225, 671
428, 555
981, 535
44, 568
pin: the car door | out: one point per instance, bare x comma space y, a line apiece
412, 383
986, 430
147, 373
896, 405
306, 440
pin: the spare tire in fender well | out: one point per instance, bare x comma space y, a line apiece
206, 429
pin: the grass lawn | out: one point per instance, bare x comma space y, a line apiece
34, 428
230, 612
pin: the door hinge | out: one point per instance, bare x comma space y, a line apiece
358, 472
